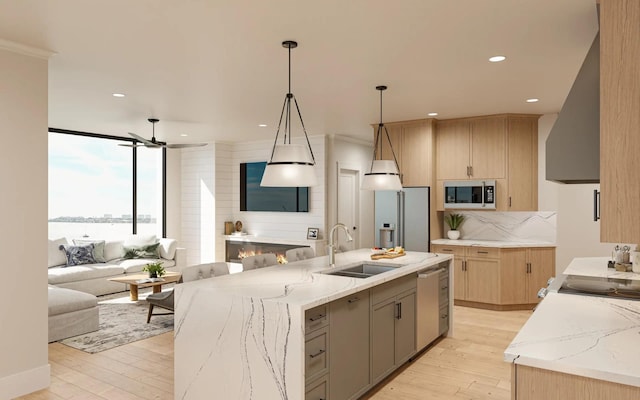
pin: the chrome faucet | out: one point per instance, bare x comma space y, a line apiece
332, 245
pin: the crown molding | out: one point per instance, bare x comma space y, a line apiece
25, 50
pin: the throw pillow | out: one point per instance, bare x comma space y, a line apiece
56, 255
98, 248
78, 255
149, 251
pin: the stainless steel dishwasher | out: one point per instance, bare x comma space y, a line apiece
428, 307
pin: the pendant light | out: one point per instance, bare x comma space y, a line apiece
290, 165
383, 174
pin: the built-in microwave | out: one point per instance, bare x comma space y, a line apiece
470, 194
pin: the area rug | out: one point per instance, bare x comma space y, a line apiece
122, 321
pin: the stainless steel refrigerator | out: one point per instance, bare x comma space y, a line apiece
402, 218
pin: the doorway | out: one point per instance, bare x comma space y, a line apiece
348, 199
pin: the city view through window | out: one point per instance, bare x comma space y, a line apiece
91, 188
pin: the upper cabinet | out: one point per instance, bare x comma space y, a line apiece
413, 146
619, 121
500, 147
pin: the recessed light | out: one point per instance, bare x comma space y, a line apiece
262, 125
184, 135
533, 100
118, 95
432, 114
497, 58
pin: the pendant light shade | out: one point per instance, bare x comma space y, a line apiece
290, 165
383, 174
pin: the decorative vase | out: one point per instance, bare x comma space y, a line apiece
453, 234
153, 274
635, 266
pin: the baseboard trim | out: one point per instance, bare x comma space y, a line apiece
495, 307
25, 382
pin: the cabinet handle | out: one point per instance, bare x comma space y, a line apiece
483, 252
528, 268
398, 310
444, 287
596, 205
443, 316
464, 265
316, 318
353, 300
320, 352
509, 201
471, 170
447, 250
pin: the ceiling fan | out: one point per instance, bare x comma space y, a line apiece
153, 143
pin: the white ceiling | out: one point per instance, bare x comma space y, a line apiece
215, 69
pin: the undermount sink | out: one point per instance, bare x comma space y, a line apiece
361, 270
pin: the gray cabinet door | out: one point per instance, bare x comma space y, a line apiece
349, 346
405, 327
382, 339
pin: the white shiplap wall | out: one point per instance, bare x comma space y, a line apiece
278, 224
211, 195
198, 218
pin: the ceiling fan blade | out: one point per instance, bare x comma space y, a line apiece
184, 145
143, 140
129, 145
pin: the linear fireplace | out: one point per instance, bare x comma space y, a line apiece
235, 251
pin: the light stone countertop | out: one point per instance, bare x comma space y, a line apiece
595, 337
242, 335
490, 243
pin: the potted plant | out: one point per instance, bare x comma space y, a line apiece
454, 221
156, 270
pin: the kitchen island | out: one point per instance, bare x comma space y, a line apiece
243, 336
579, 346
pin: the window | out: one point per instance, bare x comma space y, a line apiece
92, 190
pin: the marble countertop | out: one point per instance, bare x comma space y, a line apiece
490, 243
242, 336
595, 337
597, 267
589, 336
304, 284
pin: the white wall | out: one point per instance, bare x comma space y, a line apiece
224, 194
23, 211
174, 195
198, 201
344, 152
578, 234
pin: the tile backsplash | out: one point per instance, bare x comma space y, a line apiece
513, 226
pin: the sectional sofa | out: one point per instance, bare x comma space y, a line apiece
79, 270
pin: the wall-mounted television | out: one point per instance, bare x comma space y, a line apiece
253, 197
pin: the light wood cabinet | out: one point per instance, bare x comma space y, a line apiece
619, 121
393, 326
413, 146
499, 278
349, 346
501, 147
529, 383
527, 270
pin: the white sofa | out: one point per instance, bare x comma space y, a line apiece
73, 306
93, 278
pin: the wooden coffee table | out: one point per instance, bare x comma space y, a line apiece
134, 282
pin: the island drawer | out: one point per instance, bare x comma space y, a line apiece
484, 252
443, 286
317, 390
316, 350
393, 288
315, 318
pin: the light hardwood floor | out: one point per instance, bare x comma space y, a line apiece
466, 366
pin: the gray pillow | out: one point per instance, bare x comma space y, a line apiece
78, 255
149, 251
98, 248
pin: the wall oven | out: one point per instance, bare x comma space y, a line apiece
470, 195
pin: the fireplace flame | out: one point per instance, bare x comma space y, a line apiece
282, 259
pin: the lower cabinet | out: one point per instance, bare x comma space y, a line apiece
529, 383
349, 346
393, 326
499, 278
